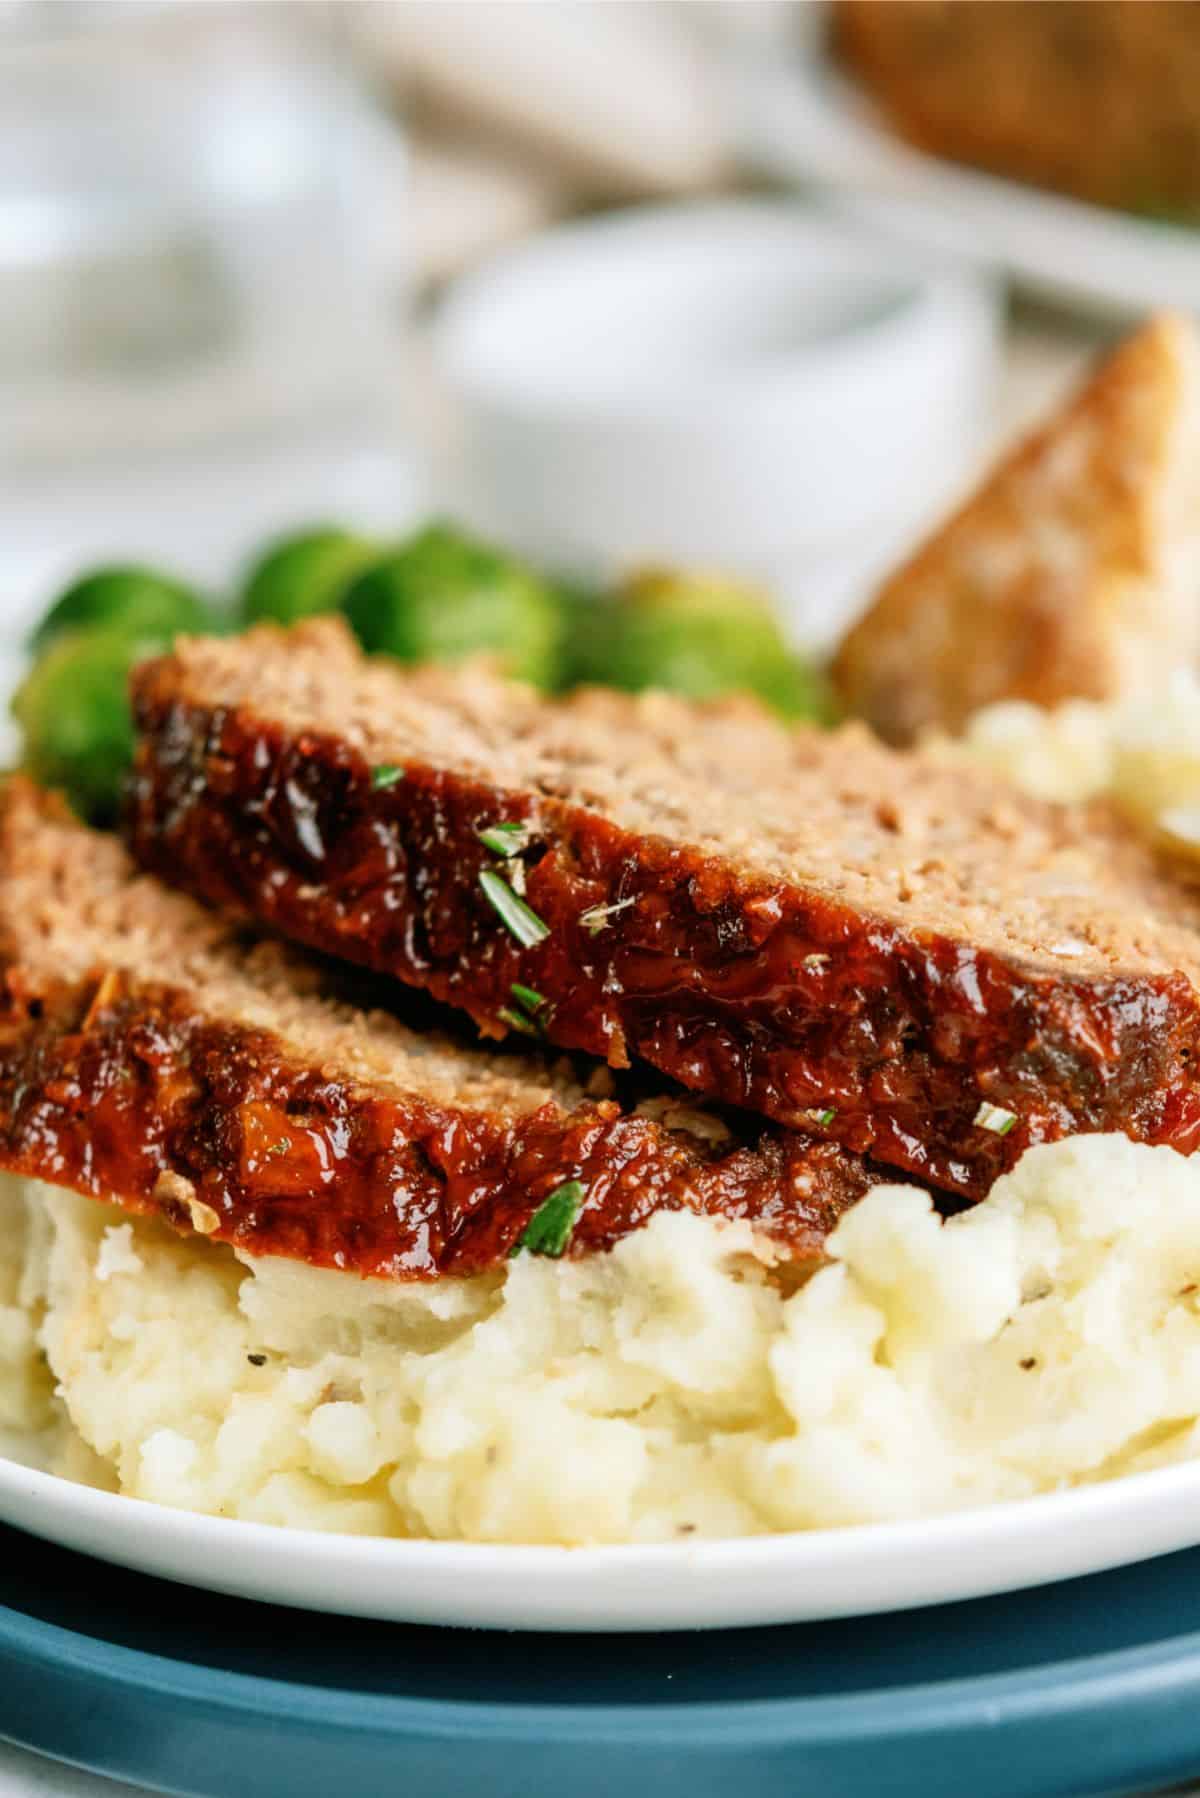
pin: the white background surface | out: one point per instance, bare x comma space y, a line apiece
25, 1775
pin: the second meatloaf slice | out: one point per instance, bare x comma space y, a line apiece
155, 1054
911, 959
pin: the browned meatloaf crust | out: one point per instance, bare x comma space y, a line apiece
857, 942
151, 1053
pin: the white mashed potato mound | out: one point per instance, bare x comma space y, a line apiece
1145, 754
674, 1386
1065, 754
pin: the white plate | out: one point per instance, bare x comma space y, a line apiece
703, 1585
804, 123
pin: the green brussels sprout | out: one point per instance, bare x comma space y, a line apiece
126, 598
442, 596
304, 574
73, 710
699, 635
798, 691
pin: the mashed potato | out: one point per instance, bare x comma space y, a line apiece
1145, 754
673, 1387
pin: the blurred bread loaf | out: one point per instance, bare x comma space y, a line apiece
1072, 572
1095, 98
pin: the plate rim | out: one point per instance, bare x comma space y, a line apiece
113, 1527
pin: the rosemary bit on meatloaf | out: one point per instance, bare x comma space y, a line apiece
152, 1055
805, 924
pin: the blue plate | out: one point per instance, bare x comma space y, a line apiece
1091, 1686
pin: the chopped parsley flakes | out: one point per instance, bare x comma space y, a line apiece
552, 1225
505, 839
386, 775
532, 1010
598, 917
512, 910
995, 1118
517, 1020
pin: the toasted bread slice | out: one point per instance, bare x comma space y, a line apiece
1073, 572
155, 1054
864, 944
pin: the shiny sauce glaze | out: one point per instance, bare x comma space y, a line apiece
129, 1092
764, 996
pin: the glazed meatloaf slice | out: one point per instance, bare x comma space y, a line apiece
908, 958
154, 1054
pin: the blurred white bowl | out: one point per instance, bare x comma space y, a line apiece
733, 383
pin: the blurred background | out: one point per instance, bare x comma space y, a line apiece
622, 283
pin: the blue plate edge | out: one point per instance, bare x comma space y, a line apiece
934, 1708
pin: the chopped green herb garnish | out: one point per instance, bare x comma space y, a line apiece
824, 1118
533, 1012
386, 775
517, 1021
505, 839
598, 917
995, 1118
512, 911
552, 1225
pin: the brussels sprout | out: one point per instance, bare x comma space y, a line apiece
73, 710
442, 596
694, 634
126, 598
798, 691
304, 574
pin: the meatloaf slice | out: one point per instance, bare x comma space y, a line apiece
154, 1054
910, 958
